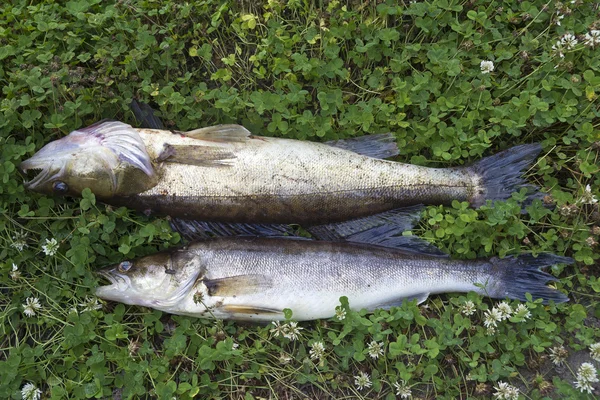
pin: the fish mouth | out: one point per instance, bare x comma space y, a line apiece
118, 284
36, 173
33, 177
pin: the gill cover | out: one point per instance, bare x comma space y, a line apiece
159, 280
109, 157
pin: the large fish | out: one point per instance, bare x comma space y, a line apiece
224, 173
257, 278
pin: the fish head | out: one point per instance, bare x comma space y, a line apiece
159, 281
109, 158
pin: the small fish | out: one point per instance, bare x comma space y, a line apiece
257, 278
225, 174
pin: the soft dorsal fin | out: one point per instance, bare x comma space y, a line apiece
220, 133
382, 145
384, 229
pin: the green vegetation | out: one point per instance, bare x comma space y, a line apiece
311, 72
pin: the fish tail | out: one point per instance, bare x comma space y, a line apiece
501, 174
522, 275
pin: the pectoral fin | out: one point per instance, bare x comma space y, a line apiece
237, 285
209, 156
220, 133
251, 310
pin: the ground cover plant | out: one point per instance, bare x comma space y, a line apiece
453, 80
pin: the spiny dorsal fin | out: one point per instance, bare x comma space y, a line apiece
382, 145
237, 285
220, 133
197, 230
384, 229
145, 115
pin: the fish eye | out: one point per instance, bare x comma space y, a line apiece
60, 187
125, 266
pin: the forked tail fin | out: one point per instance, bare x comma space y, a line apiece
522, 275
501, 174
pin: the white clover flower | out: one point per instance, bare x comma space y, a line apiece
362, 380
559, 17
292, 331
595, 351
559, 49
19, 241
284, 358
504, 391
505, 310
586, 376
569, 41
30, 392
340, 313
492, 317
51, 247
468, 308
402, 390
522, 312
235, 346
375, 349
32, 304
90, 303
587, 197
558, 355
317, 350
14, 272
592, 39
490, 330
278, 329
486, 67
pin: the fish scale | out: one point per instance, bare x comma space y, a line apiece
226, 174
298, 182
257, 278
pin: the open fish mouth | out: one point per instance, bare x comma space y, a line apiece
34, 176
30, 174
116, 280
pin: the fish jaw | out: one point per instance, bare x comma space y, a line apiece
109, 158
117, 290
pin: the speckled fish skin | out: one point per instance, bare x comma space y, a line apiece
246, 178
257, 278
289, 181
